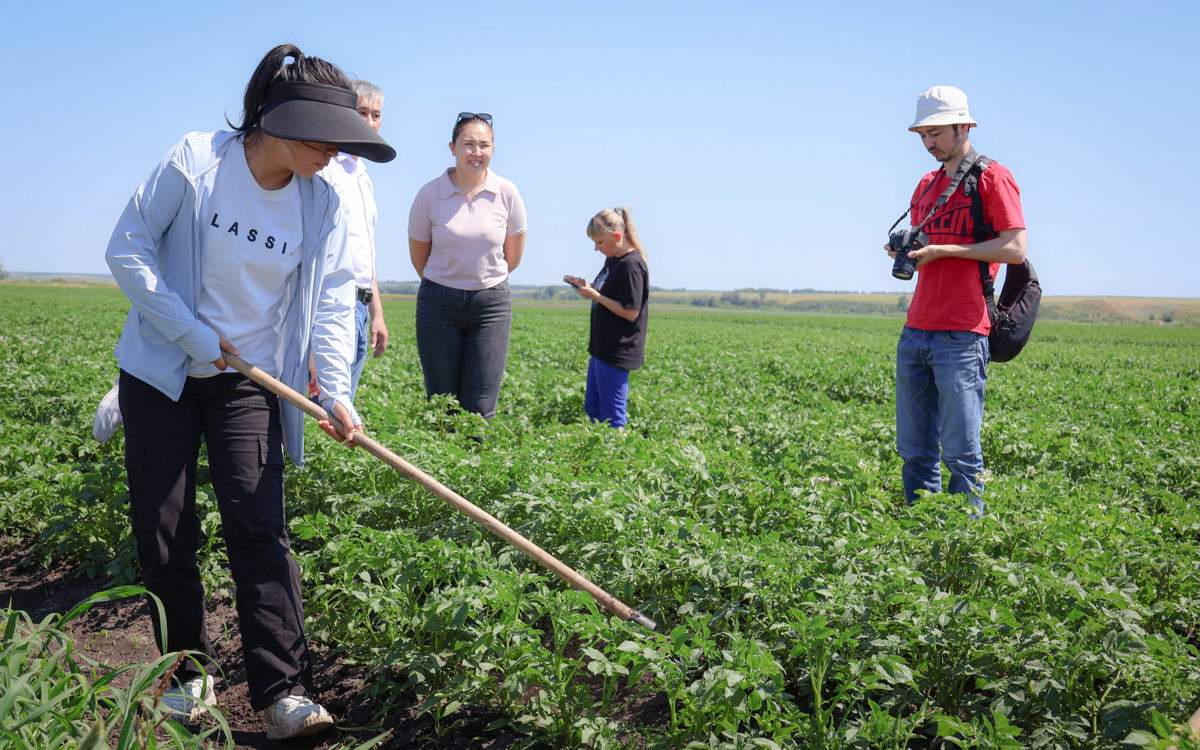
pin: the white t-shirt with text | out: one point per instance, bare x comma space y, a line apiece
251, 262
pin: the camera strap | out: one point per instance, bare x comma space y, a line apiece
960, 174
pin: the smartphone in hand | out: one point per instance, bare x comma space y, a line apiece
571, 281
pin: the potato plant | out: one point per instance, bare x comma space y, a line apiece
753, 509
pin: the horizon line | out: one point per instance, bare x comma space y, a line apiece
14, 276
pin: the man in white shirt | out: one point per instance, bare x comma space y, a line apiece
348, 175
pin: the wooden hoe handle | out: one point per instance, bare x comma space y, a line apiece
478, 515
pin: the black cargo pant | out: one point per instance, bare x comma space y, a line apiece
240, 425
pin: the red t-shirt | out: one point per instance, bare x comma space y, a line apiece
949, 294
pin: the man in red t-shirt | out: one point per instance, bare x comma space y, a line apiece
941, 360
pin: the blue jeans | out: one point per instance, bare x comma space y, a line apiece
940, 378
362, 328
607, 393
462, 340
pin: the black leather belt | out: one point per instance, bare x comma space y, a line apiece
365, 296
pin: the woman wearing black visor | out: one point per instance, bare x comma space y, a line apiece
232, 245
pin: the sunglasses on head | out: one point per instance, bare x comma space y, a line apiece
467, 116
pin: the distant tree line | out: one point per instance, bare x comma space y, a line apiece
752, 298
756, 299
820, 301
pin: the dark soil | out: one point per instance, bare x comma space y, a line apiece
119, 633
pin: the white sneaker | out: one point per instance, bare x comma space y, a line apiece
188, 702
295, 716
108, 416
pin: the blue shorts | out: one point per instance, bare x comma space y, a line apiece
607, 393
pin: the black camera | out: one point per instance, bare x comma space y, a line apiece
902, 242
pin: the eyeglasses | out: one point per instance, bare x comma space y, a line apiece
321, 148
467, 116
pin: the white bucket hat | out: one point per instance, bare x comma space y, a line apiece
942, 105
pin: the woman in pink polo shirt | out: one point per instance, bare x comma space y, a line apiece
466, 234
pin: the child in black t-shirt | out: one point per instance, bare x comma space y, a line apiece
619, 295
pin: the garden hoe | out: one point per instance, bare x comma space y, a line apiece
477, 514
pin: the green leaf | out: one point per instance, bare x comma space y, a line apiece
1140, 738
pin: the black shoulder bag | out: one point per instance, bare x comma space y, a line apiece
1014, 314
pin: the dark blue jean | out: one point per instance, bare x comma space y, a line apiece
462, 340
362, 330
607, 393
940, 379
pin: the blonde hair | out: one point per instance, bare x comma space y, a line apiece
612, 220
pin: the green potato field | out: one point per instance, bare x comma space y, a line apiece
753, 509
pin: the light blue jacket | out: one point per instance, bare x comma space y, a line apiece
156, 254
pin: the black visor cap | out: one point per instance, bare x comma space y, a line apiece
324, 114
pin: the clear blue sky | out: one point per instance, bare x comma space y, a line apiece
758, 144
